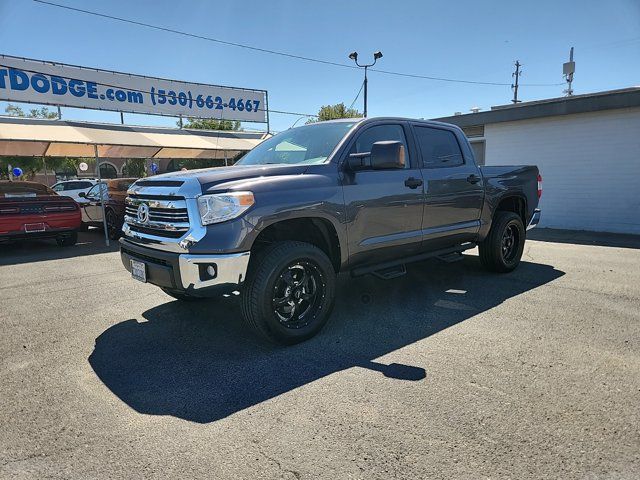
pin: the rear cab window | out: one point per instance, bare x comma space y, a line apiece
438, 147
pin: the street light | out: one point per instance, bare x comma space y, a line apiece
354, 56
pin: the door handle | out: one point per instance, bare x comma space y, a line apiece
412, 182
473, 178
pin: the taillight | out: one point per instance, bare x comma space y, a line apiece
539, 185
9, 210
59, 208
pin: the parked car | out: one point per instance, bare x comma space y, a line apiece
114, 195
32, 210
364, 196
73, 188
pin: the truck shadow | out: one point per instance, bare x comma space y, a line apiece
196, 361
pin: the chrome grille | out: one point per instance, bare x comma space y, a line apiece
166, 217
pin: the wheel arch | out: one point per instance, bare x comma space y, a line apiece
316, 230
513, 203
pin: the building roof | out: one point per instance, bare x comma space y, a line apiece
57, 138
590, 102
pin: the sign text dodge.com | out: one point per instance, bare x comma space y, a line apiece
56, 84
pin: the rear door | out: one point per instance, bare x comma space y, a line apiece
384, 207
453, 188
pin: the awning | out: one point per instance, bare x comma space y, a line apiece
56, 138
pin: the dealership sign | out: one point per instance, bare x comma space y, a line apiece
48, 83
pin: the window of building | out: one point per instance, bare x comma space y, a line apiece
478, 151
439, 148
108, 171
474, 131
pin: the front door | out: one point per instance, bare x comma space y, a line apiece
383, 207
453, 192
92, 210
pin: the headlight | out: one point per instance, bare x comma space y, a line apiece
220, 207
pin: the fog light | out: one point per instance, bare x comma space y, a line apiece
208, 271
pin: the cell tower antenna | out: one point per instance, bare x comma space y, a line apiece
568, 69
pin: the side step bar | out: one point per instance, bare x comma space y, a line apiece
396, 268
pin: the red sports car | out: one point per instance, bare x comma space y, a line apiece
32, 210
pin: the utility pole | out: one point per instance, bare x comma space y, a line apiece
514, 86
568, 69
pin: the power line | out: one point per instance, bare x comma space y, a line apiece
277, 52
283, 112
454, 80
354, 100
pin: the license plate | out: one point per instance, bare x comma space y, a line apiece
139, 270
34, 227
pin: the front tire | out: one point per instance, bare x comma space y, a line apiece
502, 249
289, 292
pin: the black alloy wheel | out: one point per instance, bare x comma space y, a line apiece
298, 294
510, 242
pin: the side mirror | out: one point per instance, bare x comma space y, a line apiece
82, 194
387, 154
358, 161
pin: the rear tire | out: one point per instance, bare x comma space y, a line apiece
289, 292
68, 240
502, 249
184, 297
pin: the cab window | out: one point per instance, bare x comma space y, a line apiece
438, 147
94, 192
380, 133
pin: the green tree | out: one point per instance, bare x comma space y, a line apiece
211, 124
331, 112
42, 112
134, 168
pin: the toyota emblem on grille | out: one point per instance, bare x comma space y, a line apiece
143, 213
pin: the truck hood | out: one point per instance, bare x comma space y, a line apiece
210, 177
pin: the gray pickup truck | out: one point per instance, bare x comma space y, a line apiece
365, 196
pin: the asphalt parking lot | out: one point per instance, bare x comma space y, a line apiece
448, 372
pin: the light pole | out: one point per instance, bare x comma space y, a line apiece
354, 56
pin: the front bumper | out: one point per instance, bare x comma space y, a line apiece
535, 219
186, 272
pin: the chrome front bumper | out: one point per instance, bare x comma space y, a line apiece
535, 219
230, 269
185, 271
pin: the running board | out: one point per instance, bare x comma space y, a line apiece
451, 257
391, 272
382, 268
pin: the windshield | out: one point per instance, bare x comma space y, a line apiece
307, 145
23, 189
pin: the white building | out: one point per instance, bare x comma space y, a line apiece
587, 148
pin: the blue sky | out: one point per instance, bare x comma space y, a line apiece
474, 40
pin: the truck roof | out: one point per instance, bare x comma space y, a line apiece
395, 119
